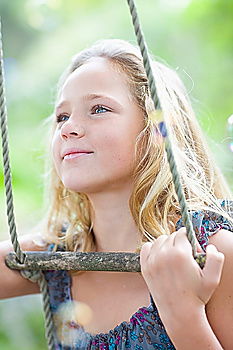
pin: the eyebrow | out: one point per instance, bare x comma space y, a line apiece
94, 96
88, 97
61, 104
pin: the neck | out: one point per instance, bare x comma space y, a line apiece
113, 225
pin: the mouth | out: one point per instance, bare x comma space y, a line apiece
75, 154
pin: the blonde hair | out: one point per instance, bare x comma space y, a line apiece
153, 202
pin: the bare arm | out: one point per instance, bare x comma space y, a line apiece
12, 284
181, 290
219, 309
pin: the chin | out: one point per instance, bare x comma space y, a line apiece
76, 187
87, 185
86, 188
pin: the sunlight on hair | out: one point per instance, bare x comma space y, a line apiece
153, 202
156, 116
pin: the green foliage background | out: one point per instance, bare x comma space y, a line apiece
39, 38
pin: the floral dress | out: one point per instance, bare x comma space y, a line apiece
145, 329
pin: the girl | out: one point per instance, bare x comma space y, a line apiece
112, 191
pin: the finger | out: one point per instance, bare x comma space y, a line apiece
151, 248
144, 257
198, 246
159, 241
145, 252
213, 266
181, 240
160, 244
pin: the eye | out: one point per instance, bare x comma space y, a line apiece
62, 118
100, 109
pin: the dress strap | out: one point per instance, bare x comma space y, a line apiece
206, 222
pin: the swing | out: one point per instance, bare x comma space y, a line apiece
31, 264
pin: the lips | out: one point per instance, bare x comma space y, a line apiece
74, 152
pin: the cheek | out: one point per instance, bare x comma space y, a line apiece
118, 151
55, 150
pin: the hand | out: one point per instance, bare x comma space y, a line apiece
175, 280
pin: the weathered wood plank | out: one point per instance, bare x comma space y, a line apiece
91, 261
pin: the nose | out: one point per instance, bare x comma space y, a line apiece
71, 129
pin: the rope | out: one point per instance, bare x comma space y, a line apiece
168, 145
6, 162
21, 256
34, 276
49, 325
38, 276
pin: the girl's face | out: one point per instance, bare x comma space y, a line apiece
97, 125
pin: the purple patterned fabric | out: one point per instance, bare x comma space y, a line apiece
145, 329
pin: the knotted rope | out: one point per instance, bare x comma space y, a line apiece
34, 276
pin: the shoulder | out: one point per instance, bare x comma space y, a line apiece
223, 240
216, 229
33, 242
220, 307
207, 223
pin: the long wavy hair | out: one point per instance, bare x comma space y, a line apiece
153, 202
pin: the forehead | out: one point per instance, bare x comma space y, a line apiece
97, 74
